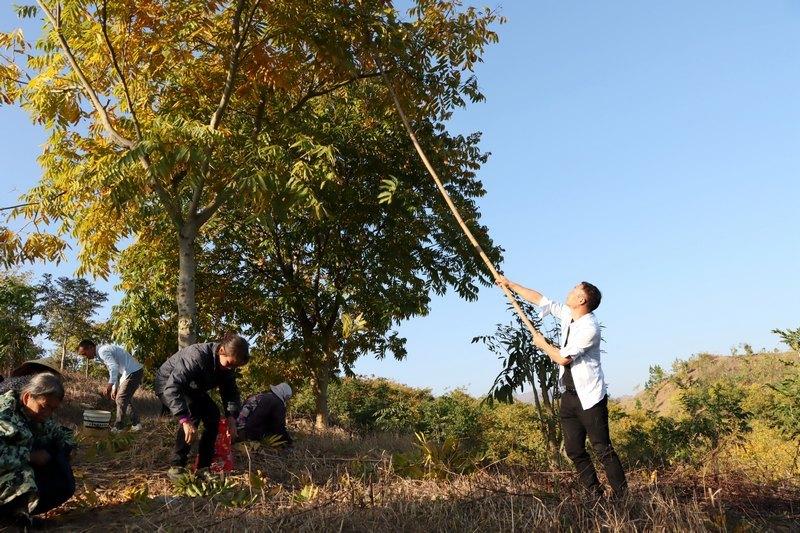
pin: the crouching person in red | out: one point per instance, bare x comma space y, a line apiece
182, 385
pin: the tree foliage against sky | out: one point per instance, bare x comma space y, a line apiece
169, 110
18, 329
66, 307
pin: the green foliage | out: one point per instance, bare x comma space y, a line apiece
791, 337
500, 432
290, 115
144, 320
656, 377
524, 364
67, 307
221, 489
17, 328
716, 411
455, 416
784, 412
436, 459
361, 404
105, 445
714, 416
511, 435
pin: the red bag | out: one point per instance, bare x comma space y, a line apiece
223, 449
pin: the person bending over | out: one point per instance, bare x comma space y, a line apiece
584, 402
264, 415
124, 377
182, 384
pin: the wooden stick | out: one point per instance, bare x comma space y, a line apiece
457, 215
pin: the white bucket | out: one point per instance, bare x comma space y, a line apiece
96, 419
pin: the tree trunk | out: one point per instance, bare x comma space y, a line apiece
319, 384
549, 424
63, 352
187, 305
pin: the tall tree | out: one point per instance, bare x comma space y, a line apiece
17, 327
166, 110
67, 306
326, 290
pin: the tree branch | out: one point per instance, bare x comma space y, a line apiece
119, 71
12, 207
240, 36
204, 214
196, 194
260, 110
320, 92
87, 86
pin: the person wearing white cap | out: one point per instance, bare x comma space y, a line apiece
264, 415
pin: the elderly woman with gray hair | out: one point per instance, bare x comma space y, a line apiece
35, 472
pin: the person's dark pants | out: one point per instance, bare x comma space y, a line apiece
202, 409
54, 481
578, 423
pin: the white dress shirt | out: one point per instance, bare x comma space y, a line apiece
119, 362
583, 346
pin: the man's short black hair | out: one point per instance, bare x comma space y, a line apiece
86, 343
236, 346
593, 295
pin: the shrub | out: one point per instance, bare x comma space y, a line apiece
456, 416
367, 404
511, 434
714, 416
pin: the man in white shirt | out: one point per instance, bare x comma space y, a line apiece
124, 377
584, 403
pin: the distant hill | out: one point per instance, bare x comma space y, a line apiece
747, 370
758, 369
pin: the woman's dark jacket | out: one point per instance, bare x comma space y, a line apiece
193, 371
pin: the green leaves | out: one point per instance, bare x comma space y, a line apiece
26, 11
17, 328
387, 189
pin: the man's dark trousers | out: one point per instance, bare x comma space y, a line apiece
578, 423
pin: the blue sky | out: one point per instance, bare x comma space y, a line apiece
648, 147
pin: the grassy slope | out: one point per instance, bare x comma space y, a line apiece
335, 481
746, 370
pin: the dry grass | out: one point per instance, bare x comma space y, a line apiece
334, 481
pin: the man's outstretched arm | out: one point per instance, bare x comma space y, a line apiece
552, 352
535, 297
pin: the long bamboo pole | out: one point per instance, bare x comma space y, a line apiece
457, 215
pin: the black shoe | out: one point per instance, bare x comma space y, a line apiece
26, 522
